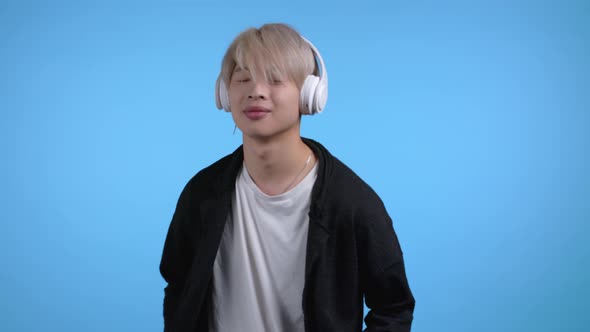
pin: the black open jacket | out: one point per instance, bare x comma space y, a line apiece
352, 251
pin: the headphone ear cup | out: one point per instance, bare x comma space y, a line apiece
320, 97
221, 96
307, 96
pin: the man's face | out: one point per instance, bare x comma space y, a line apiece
263, 109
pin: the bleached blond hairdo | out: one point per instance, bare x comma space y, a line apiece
277, 49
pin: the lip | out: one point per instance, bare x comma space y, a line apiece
256, 112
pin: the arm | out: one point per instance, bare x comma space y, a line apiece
175, 261
386, 289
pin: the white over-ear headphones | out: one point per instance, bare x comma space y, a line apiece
314, 92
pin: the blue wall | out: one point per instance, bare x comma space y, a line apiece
470, 119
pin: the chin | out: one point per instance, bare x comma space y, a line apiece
267, 131
260, 136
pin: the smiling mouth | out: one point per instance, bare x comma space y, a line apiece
256, 113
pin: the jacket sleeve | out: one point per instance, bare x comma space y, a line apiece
387, 293
176, 258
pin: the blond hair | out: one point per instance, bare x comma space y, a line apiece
277, 49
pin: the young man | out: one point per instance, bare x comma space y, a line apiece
280, 235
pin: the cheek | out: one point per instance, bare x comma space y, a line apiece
291, 101
233, 98
235, 93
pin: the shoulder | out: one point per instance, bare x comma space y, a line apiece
356, 204
338, 187
213, 178
349, 189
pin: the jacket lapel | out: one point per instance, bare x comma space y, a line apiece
316, 239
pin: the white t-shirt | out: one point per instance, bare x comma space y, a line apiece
259, 270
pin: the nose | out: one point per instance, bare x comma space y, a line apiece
259, 90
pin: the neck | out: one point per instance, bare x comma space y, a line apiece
277, 165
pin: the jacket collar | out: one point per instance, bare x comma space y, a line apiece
226, 183
318, 193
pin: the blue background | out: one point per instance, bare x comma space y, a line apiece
470, 119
